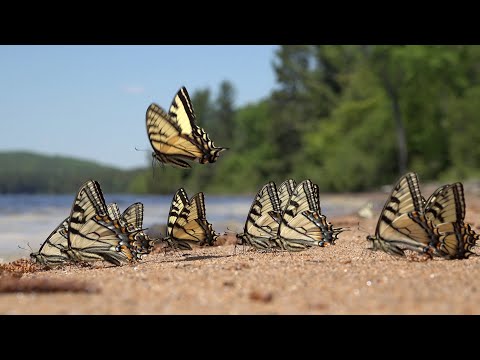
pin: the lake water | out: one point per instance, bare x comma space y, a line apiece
27, 220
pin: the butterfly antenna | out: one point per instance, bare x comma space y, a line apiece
141, 149
28, 244
362, 229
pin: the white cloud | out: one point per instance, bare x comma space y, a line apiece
133, 89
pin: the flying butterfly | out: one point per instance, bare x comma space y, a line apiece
187, 223
92, 234
175, 137
262, 224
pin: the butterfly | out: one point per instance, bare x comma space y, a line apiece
187, 224
261, 225
132, 220
92, 234
302, 225
445, 214
175, 137
408, 221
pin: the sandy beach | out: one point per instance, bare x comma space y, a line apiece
342, 279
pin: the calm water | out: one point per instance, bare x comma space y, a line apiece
29, 219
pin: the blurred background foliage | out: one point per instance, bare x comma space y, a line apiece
349, 117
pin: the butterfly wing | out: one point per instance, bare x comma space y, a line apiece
182, 112
446, 204
329, 234
179, 201
285, 191
456, 240
113, 211
210, 235
168, 139
191, 226
262, 218
296, 231
316, 194
299, 233
396, 227
302, 198
133, 216
52, 250
259, 221
445, 211
92, 234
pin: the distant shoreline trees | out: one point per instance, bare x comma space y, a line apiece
348, 117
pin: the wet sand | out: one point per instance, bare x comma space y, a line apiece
342, 279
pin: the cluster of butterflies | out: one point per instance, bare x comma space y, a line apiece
435, 226
288, 218
96, 231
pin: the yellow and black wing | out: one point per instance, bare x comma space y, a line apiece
133, 216
175, 136
446, 204
179, 201
285, 190
113, 211
445, 212
329, 234
296, 230
52, 251
92, 234
401, 223
262, 218
259, 222
302, 198
456, 240
191, 226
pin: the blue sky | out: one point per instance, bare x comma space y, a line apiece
90, 101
